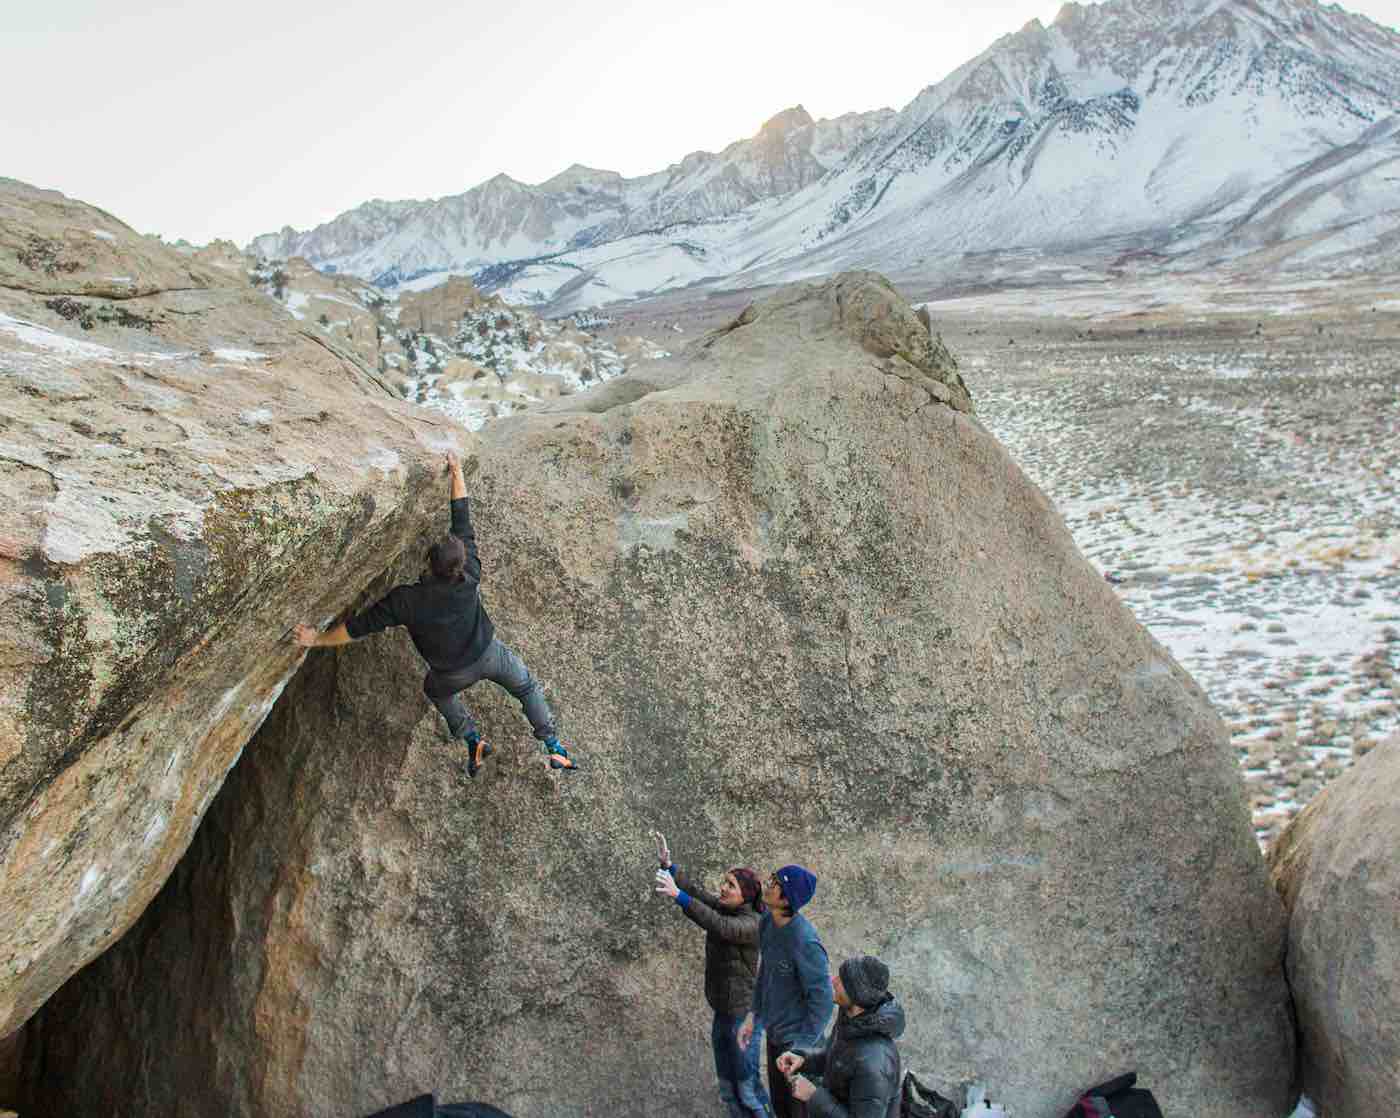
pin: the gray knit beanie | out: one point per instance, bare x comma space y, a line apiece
866, 979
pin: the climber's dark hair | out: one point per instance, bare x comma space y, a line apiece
448, 559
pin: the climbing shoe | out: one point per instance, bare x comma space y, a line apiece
477, 752
559, 757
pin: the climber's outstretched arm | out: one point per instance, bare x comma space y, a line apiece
462, 518
308, 637
459, 483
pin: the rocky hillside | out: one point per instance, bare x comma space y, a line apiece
791, 602
448, 347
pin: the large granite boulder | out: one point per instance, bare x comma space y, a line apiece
439, 309
791, 602
184, 473
1337, 869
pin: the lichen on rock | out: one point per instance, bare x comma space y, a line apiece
155, 548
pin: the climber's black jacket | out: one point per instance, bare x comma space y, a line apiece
446, 619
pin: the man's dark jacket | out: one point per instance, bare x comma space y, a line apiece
444, 617
731, 947
859, 1064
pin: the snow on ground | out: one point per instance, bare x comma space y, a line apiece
52, 351
1243, 494
427, 282
44, 340
327, 297
500, 360
1087, 292
239, 356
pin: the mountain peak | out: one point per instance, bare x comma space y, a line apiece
577, 174
788, 120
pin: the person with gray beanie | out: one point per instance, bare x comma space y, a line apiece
792, 996
859, 1063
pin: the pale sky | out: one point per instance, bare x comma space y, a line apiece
203, 119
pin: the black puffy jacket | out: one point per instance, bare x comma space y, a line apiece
731, 947
859, 1065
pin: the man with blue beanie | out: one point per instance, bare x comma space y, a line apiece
792, 997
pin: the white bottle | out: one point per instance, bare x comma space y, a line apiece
979, 1106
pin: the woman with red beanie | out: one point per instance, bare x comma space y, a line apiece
731, 922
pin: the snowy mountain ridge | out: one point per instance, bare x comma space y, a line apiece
1204, 130
505, 220
1113, 80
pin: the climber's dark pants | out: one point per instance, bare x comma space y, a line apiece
501, 666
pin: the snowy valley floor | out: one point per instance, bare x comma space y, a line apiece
1229, 456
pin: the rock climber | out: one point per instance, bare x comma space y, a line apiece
447, 621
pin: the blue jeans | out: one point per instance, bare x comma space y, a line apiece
739, 1084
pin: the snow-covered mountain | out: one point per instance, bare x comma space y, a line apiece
1203, 129
1132, 116
503, 220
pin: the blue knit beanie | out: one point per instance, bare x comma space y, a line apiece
799, 883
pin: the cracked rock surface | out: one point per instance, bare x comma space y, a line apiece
791, 602
183, 475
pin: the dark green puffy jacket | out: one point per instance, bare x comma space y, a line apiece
731, 947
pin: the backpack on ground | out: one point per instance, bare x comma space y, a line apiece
1118, 1098
427, 1106
918, 1101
